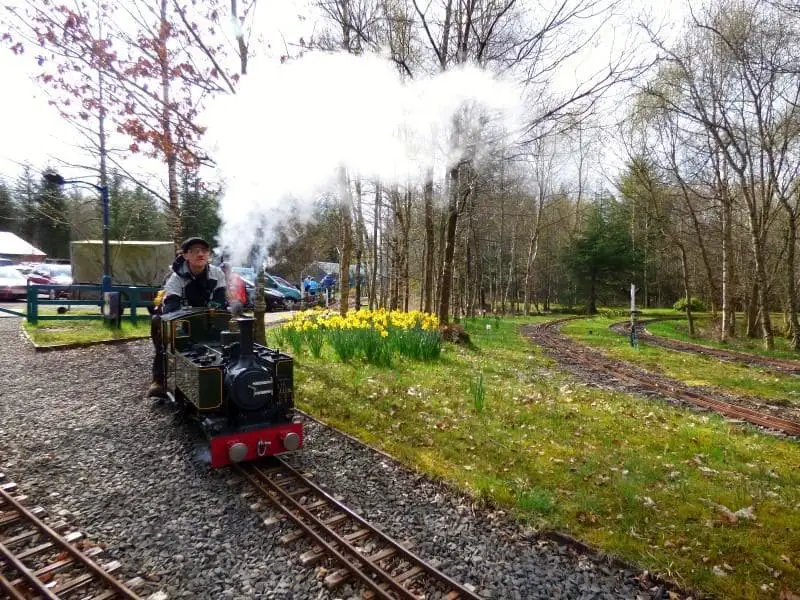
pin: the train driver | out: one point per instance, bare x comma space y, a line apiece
193, 281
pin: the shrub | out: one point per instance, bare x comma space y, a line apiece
696, 304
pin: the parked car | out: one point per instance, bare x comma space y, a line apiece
49, 273
59, 274
13, 285
29, 272
274, 299
292, 294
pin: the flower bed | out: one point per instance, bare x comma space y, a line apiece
376, 336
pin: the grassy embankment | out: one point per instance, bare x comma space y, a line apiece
65, 331
653, 484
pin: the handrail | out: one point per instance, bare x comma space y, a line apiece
132, 300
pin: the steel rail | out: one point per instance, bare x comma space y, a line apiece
405, 552
121, 590
25, 572
784, 365
602, 363
398, 548
726, 408
260, 483
13, 593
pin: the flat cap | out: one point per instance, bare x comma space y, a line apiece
192, 241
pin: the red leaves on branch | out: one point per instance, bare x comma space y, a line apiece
153, 83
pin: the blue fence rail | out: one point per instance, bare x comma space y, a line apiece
132, 298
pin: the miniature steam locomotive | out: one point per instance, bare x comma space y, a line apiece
241, 393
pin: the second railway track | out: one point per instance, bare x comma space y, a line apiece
574, 355
384, 567
791, 367
44, 560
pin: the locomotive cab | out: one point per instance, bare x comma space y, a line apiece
240, 392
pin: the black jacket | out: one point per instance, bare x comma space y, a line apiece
183, 288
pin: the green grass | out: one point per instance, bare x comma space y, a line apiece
640, 479
780, 388
51, 333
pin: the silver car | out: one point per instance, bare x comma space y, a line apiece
13, 284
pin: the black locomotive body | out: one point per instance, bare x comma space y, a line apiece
241, 393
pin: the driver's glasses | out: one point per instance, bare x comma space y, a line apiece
196, 251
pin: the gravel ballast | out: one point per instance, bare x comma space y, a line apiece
79, 438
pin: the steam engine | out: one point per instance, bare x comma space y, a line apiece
241, 393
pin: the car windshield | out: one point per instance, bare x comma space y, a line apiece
61, 270
282, 281
10, 273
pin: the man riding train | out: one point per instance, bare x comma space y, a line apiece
195, 282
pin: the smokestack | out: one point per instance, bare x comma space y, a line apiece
246, 340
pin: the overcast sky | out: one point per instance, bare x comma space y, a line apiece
32, 132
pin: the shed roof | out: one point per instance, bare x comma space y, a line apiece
13, 245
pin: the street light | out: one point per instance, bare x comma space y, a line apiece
56, 179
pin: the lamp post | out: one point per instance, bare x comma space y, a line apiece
56, 179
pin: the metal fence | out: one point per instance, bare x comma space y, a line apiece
134, 299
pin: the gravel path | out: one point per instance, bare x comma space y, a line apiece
77, 435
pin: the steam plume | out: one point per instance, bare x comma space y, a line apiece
293, 125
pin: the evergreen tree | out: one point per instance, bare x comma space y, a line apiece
52, 227
199, 208
85, 215
601, 259
8, 211
27, 223
134, 214
151, 223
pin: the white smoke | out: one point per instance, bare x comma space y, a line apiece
292, 126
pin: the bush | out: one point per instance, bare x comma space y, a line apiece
696, 305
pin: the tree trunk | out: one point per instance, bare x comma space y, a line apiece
395, 259
752, 312
592, 307
375, 261
347, 242
241, 44
430, 263
359, 242
511, 264
449, 246
728, 322
791, 285
406, 287
763, 307
686, 289
168, 143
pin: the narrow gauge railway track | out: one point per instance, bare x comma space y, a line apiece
776, 364
383, 566
45, 560
586, 360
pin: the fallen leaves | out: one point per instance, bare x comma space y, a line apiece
728, 516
